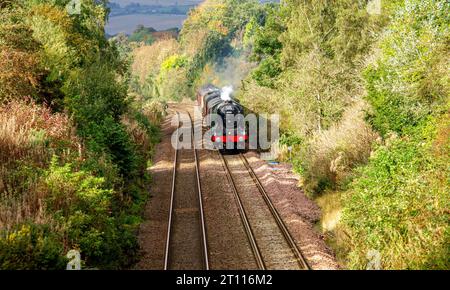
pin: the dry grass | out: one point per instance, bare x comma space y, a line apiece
333, 153
28, 131
155, 111
331, 206
29, 135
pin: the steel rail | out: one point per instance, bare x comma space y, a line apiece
282, 226
201, 211
200, 198
248, 230
172, 195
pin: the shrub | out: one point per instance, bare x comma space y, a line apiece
409, 79
173, 62
31, 247
91, 200
144, 133
68, 191
97, 101
84, 208
399, 204
267, 71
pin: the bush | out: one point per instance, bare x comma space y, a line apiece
31, 247
68, 191
97, 103
84, 208
173, 62
144, 130
266, 72
410, 77
399, 204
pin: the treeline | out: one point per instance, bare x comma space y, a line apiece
74, 146
144, 36
363, 97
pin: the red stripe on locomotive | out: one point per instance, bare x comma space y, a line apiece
234, 138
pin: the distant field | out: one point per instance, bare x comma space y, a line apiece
128, 23
158, 2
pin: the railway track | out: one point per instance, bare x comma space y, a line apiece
186, 243
272, 245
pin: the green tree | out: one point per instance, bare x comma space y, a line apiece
143, 34
409, 80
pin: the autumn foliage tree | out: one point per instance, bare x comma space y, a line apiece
20, 69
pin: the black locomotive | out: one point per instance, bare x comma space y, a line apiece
229, 129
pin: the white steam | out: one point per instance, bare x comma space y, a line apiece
225, 93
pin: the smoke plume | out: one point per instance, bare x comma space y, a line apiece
225, 93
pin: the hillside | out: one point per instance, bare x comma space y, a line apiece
74, 146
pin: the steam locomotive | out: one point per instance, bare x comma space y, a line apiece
224, 115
